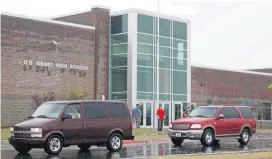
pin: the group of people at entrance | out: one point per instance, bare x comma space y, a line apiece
160, 116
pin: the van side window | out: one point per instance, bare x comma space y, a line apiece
116, 110
74, 110
95, 110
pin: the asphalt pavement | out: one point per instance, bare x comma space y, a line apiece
144, 150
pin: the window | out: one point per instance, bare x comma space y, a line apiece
116, 110
164, 51
165, 27
118, 60
144, 60
165, 82
142, 38
164, 41
246, 112
143, 48
74, 110
164, 62
179, 82
205, 112
164, 96
233, 113
120, 38
145, 79
180, 64
118, 95
209, 101
229, 113
177, 97
145, 96
179, 44
119, 24
119, 48
145, 24
95, 110
50, 110
224, 111
118, 79
179, 54
179, 30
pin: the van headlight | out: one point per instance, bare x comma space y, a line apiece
11, 129
36, 130
195, 126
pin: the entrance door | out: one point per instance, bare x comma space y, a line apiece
177, 110
147, 116
167, 109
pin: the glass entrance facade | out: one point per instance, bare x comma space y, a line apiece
135, 60
172, 55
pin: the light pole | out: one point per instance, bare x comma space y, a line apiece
157, 57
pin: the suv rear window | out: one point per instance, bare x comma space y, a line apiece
95, 110
246, 112
116, 110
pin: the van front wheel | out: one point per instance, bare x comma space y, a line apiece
53, 145
114, 143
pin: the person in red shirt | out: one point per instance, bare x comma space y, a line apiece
160, 115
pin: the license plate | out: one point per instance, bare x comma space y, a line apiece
178, 134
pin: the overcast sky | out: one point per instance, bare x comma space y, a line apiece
225, 34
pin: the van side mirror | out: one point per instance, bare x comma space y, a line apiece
66, 116
221, 116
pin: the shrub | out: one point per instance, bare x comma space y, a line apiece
77, 94
50, 96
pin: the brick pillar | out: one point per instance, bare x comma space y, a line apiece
100, 19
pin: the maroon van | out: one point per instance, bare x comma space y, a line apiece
59, 124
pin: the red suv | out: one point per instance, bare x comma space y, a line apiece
211, 123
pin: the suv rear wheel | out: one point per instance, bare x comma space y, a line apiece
53, 145
207, 138
177, 141
114, 143
244, 137
22, 149
84, 147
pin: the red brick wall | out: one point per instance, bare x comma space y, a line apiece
24, 39
100, 18
226, 87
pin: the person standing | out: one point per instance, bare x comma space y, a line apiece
160, 116
138, 115
185, 114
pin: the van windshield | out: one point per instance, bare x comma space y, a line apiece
48, 110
